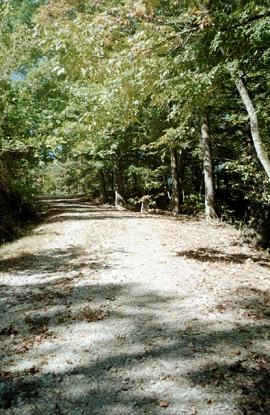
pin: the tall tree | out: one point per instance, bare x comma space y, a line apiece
210, 211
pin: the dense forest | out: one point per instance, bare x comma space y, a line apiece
164, 104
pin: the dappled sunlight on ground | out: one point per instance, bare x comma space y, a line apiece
133, 314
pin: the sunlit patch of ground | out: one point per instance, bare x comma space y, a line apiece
107, 312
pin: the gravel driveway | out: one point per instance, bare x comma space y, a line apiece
114, 312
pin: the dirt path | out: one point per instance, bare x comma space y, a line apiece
107, 312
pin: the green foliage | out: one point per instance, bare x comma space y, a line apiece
147, 180
95, 94
193, 204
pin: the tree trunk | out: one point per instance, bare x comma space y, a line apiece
210, 211
119, 189
177, 195
181, 162
118, 179
102, 188
254, 125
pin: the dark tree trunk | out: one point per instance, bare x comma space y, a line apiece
102, 187
177, 194
119, 188
181, 172
210, 211
118, 179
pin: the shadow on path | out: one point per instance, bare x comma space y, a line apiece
121, 380
213, 255
50, 262
140, 355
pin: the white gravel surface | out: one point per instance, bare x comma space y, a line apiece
113, 312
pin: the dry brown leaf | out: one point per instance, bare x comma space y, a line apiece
164, 404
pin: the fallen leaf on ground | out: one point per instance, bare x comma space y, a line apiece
33, 370
164, 404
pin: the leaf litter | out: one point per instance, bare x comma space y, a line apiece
177, 310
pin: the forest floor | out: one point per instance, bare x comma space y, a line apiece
114, 312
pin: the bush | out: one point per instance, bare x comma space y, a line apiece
15, 213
